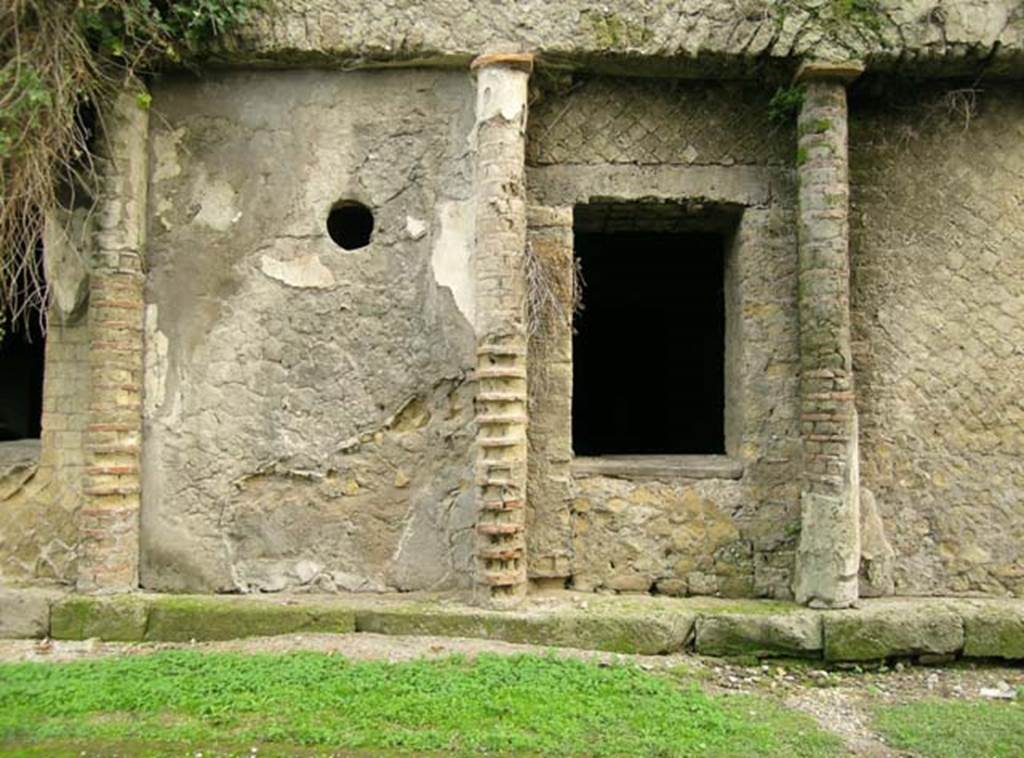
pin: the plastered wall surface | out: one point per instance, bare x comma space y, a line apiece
307, 418
938, 300
712, 144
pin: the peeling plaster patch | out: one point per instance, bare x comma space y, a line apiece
415, 227
452, 253
217, 204
156, 363
165, 154
414, 564
304, 272
163, 207
65, 256
502, 92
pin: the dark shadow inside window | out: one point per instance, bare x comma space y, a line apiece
649, 348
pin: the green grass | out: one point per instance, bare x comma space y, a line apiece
519, 705
949, 728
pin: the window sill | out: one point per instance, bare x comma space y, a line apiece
19, 460
659, 466
19, 451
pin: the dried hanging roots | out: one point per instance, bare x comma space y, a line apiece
59, 61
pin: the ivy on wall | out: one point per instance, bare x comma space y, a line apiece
62, 60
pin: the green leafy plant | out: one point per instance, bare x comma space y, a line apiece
785, 103
865, 13
941, 728
62, 61
522, 705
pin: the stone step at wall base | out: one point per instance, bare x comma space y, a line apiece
927, 630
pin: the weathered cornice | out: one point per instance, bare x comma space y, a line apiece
681, 37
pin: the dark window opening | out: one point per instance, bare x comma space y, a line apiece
22, 354
649, 347
350, 225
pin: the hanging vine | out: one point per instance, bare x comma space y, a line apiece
60, 63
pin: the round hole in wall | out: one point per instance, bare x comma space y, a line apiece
350, 224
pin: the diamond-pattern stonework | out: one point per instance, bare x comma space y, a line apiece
656, 121
938, 330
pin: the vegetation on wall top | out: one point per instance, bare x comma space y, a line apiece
60, 62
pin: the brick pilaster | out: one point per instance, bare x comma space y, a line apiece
109, 520
829, 551
501, 323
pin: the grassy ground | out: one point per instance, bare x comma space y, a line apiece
225, 703
941, 729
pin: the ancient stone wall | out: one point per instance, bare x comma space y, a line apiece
678, 533
308, 417
41, 481
938, 300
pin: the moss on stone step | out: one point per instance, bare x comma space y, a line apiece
994, 630
171, 618
792, 635
649, 634
115, 618
878, 629
179, 619
889, 629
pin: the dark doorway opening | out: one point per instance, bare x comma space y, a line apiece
649, 347
22, 356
